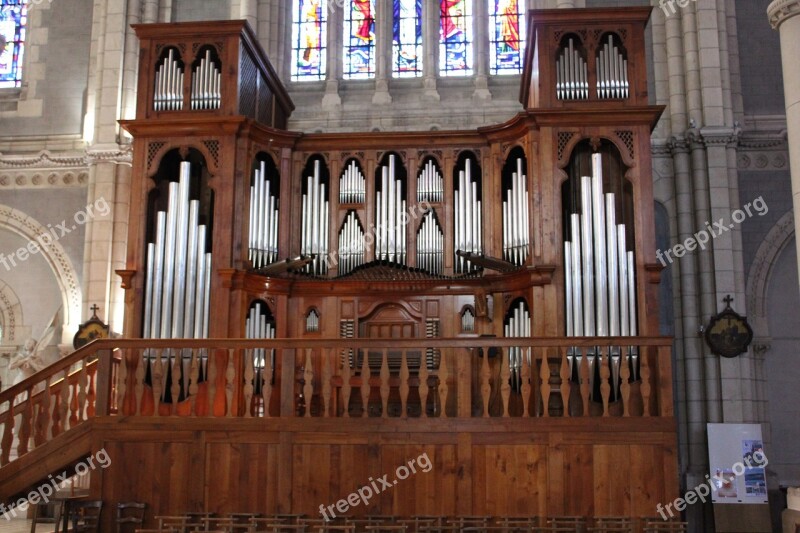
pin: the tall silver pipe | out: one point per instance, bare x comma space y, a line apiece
623, 281
600, 265
613, 266
207, 299
169, 261
200, 284
148, 291
179, 295
587, 253
191, 276
158, 274
577, 279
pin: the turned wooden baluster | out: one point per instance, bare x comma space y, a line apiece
194, 376
25, 424
365, 388
230, 376
584, 375
83, 387
605, 373
63, 406
327, 401
43, 419
55, 411
346, 384
74, 406
385, 384
544, 375
122, 384
505, 381
156, 374
645, 372
625, 387
177, 377
266, 382
404, 385
139, 375
8, 434
525, 381
444, 388
423, 386
308, 386
486, 384
249, 373
91, 394
211, 379
565, 380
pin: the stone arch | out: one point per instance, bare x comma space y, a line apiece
10, 314
758, 278
56, 257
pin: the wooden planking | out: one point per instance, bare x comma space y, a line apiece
612, 480
242, 477
513, 480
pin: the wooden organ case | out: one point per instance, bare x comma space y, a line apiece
539, 229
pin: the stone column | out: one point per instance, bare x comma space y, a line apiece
331, 101
783, 17
430, 47
481, 49
383, 53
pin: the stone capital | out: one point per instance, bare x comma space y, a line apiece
780, 10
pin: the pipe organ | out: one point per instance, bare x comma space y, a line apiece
600, 289
352, 185
178, 268
430, 184
391, 216
264, 218
430, 244
450, 238
169, 83
468, 225
516, 228
572, 74
612, 71
351, 244
314, 238
206, 81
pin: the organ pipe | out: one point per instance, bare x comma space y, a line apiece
314, 234
259, 325
169, 84
468, 218
516, 228
264, 218
352, 185
600, 290
430, 184
572, 74
430, 245
206, 84
612, 72
351, 244
518, 324
178, 276
391, 217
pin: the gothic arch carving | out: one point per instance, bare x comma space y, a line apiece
10, 314
760, 272
56, 258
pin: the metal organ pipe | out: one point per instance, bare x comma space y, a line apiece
430, 245
518, 325
516, 231
206, 84
314, 237
351, 244
612, 72
572, 74
430, 184
391, 217
352, 185
169, 84
178, 277
599, 270
468, 218
264, 216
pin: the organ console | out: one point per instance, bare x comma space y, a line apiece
239, 225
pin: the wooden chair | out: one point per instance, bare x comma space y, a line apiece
85, 516
130, 515
566, 523
662, 526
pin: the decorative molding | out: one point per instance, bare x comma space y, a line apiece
44, 160
47, 170
780, 10
54, 254
760, 271
44, 179
10, 312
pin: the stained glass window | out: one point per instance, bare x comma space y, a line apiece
455, 38
309, 35
13, 19
359, 39
507, 34
407, 39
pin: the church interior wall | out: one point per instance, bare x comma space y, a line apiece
775, 187
760, 60
188, 10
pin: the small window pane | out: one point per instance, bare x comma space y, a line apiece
455, 39
13, 18
507, 34
309, 35
407, 42
359, 39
